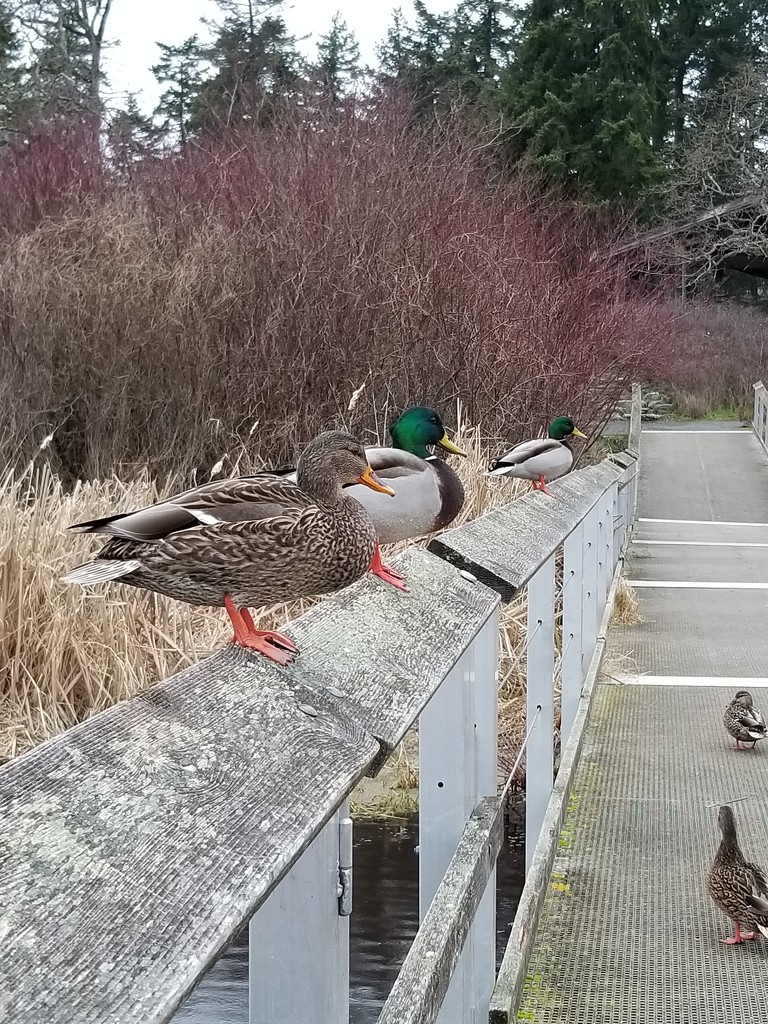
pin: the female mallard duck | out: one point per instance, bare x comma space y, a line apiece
248, 542
428, 493
743, 721
739, 888
542, 460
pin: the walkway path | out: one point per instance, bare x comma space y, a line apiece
628, 934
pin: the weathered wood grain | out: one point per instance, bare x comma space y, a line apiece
635, 421
506, 546
386, 652
133, 847
420, 988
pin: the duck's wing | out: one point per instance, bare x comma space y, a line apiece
753, 722
251, 498
760, 882
419, 502
526, 450
394, 464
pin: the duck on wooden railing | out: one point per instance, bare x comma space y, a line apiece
541, 460
248, 542
428, 494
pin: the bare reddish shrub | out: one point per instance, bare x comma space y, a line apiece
715, 359
264, 277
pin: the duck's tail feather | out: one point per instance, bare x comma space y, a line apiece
101, 571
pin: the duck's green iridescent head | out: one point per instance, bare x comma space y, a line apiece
564, 427
418, 429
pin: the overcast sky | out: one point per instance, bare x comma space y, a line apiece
139, 24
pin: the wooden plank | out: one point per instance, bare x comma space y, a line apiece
136, 845
505, 547
420, 988
385, 652
635, 421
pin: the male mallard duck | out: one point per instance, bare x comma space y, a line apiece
428, 493
541, 460
248, 542
743, 721
739, 888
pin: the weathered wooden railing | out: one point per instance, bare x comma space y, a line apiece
760, 414
135, 846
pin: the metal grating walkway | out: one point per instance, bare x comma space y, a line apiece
628, 934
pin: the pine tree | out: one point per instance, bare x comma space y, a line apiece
338, 61
583, 96
461, 55
132, 136
256, 65
703, 42
180, 67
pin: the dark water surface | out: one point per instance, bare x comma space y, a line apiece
383, 924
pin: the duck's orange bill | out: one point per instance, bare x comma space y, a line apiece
369, 479
577, 433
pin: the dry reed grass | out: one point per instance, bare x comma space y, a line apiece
626, 608
66, 653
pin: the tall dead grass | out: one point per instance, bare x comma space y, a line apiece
261, 276
66, 654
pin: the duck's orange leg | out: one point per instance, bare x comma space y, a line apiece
395, 579
740, 936
263, 641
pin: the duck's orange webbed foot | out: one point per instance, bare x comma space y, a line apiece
275, 646
395, 579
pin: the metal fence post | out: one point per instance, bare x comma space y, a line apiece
612, 511
589, 615
298, 944
571, 675
457, 766
539, 701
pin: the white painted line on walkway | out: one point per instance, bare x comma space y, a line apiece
694, 585
731, 430
733, 682
706, 543
697, 522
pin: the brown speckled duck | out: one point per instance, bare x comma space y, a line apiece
739, 888
743, 721
248, 542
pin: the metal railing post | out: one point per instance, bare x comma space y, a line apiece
539, 701
458, 751
298, 943
589, 615
573, 637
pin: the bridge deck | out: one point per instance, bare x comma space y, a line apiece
628, 933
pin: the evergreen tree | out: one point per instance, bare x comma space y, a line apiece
702, 42
338, 61
583, 95
256, 65
132, 137
180, 67
458, 55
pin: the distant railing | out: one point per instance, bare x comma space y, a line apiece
136, 845
760, 414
